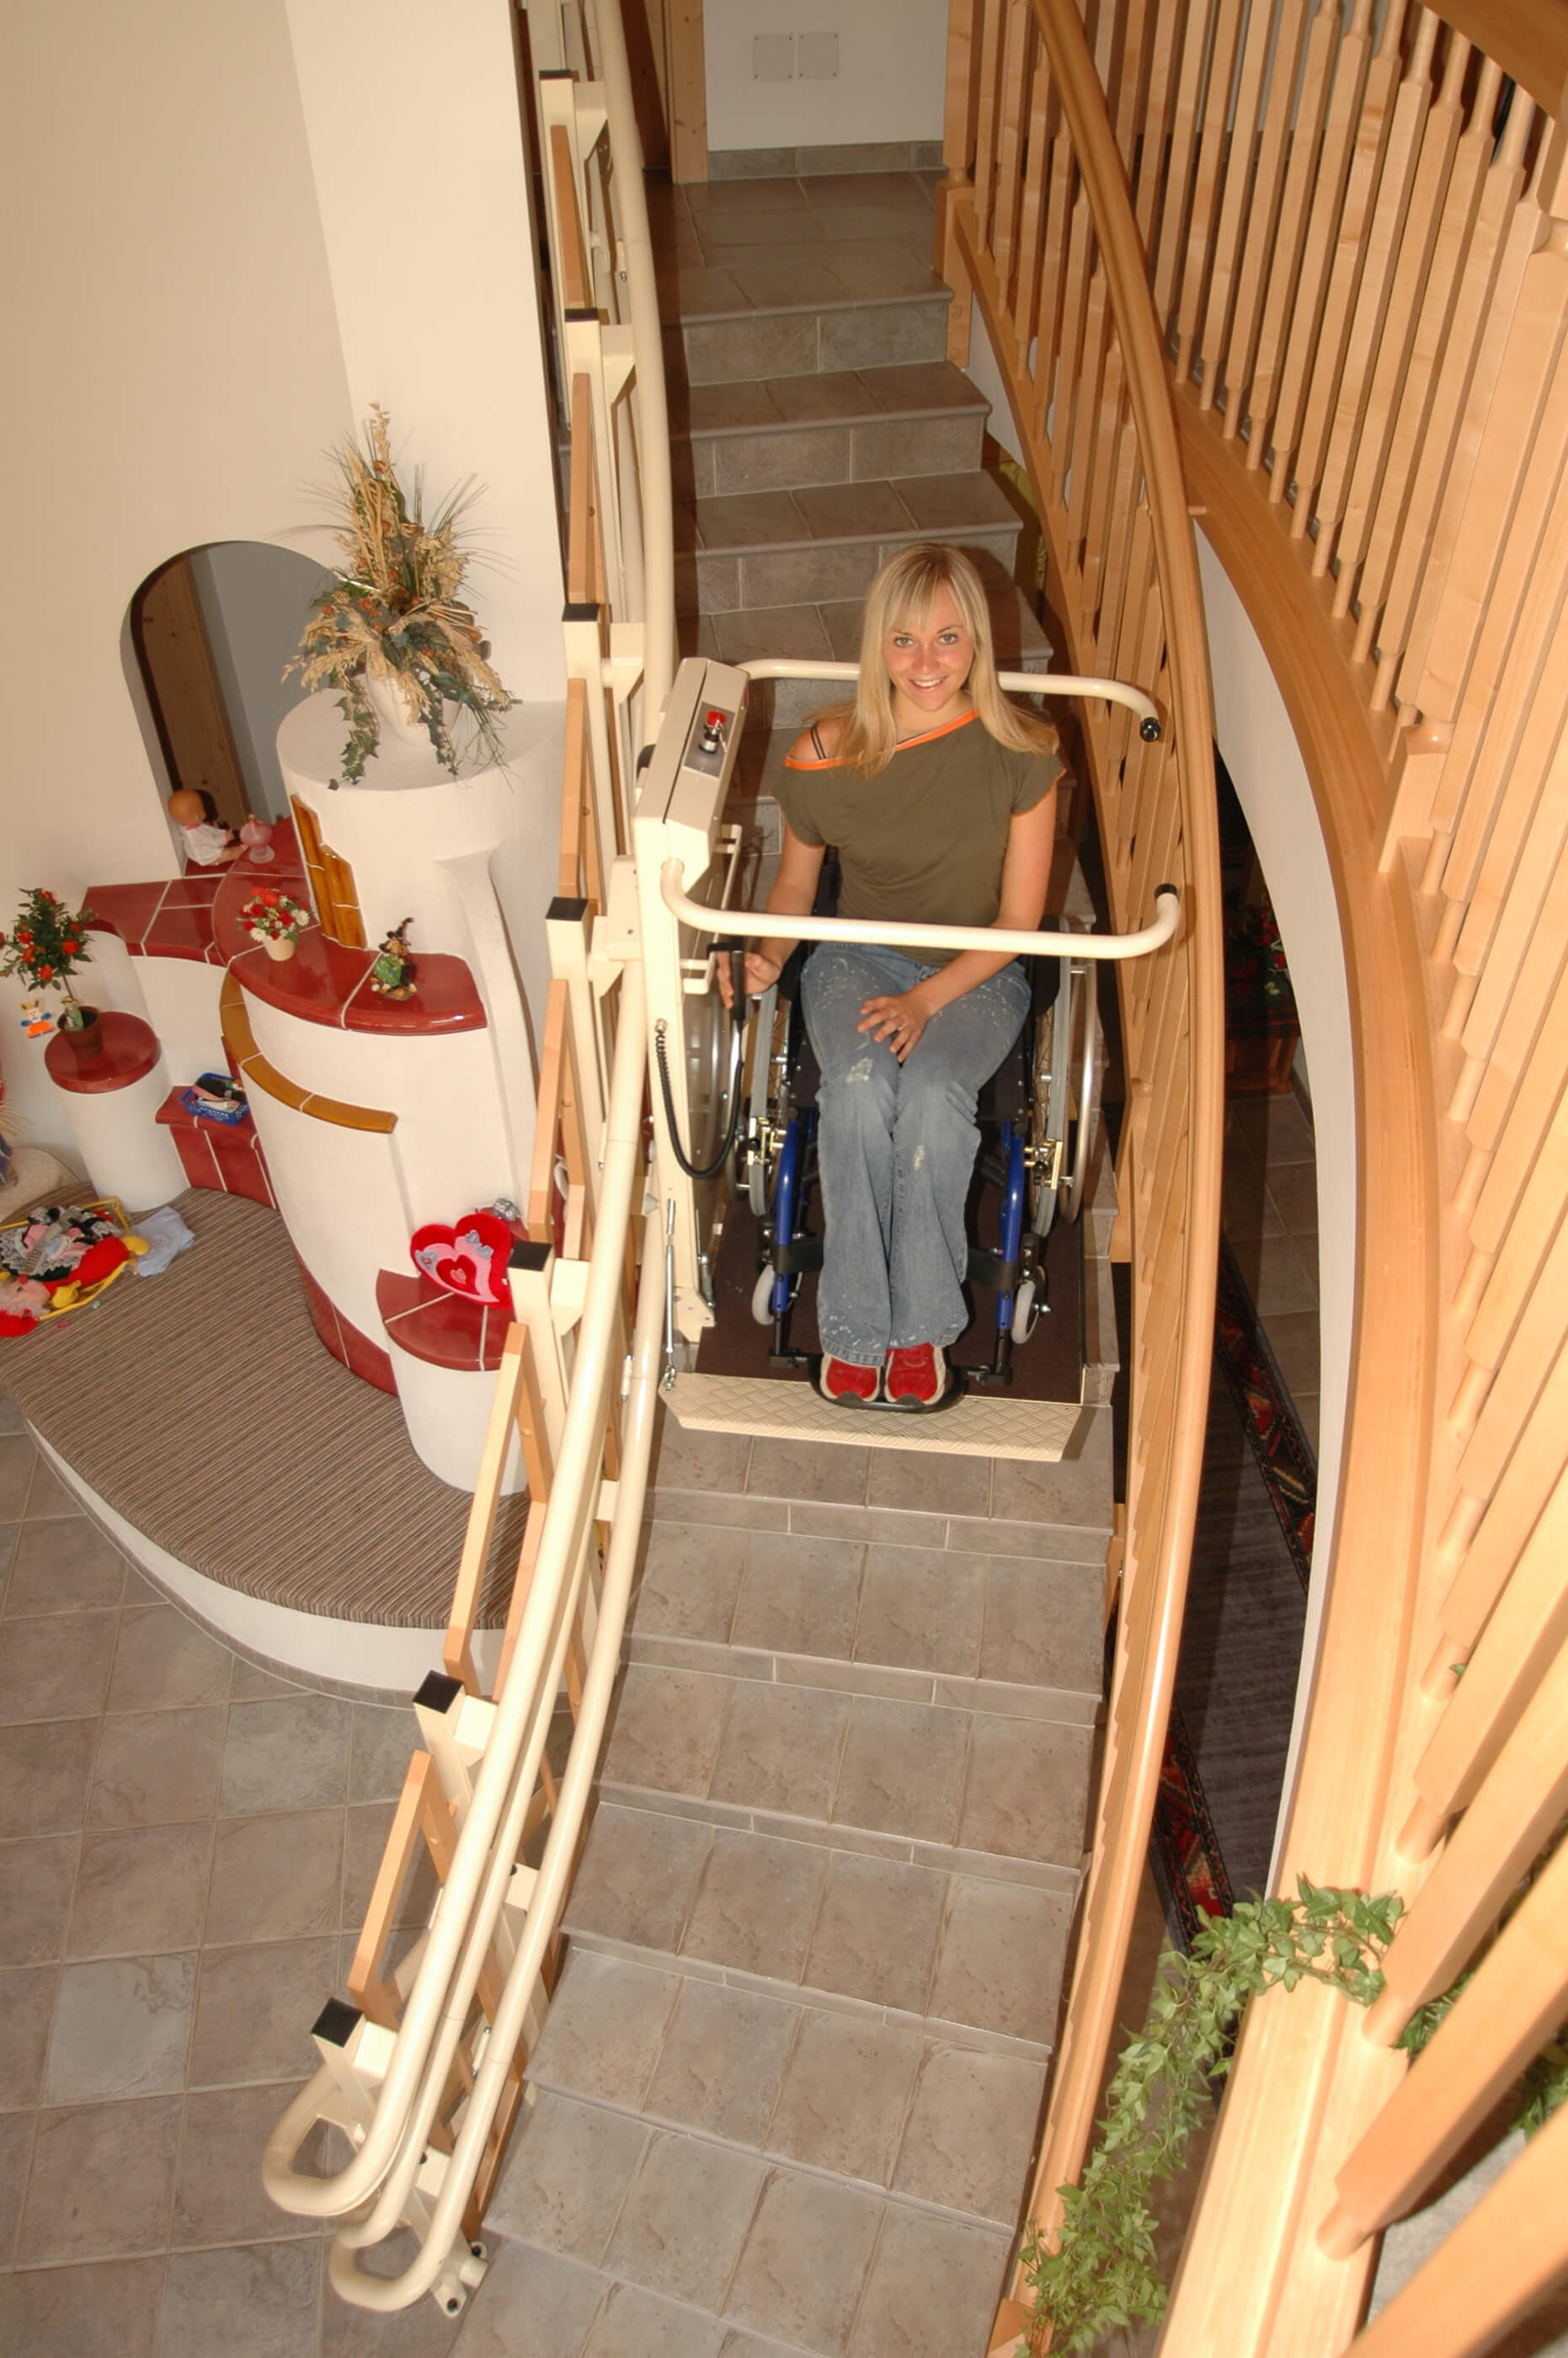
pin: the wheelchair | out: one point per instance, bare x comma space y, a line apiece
1039, 1124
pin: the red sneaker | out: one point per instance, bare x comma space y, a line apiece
918, 1374
843, 1381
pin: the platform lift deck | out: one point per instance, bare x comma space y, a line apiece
689, 863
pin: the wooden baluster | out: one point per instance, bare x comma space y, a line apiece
1326, 67
1031, 216
1074, 304
1519, 1014
1089, 413
1013, 112
1231, 362
1527, 1136
959, 115
1061, 202
571, 262
986, 121
1183, 137
1242, 132
1524, 741
1442, 350
1146, 163
1225, 36
1351, 94
1343, 318
1391, 353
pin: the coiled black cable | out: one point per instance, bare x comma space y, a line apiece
662, 1059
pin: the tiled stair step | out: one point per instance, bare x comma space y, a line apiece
810, 338
1007, 1634
947, 2129
755, 435
985, 1791
962, 1958
823, 543
974, 1505
625, 2237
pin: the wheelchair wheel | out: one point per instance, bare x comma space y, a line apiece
1025, 1316
763, 1297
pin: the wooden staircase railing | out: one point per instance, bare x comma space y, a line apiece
1354, 259
1033, 219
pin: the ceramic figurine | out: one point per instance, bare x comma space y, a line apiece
207, 845
393, 972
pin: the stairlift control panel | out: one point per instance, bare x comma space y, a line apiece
677, 817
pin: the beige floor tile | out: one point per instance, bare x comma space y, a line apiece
1073, 1490
252, 1682
789, 1469
26, 2006
291, 1753
605, 2029
163, 1661
566, 2176
877, 1931
1292, 1188
666, 1730
756, 1905
637, 2324
850, 512
122, 2028
1044, 1625
698, 1461
1245, 1209
44, 1772
276, 1878
536, 2305
691, 1577
218, 2195
140, 1890
638, 1876
779, 461
254, 2006
967, 2140
1000, 1961
102, 2182
16, 2158
108, 2310
250, 2301
804, 2261
801, 1596
845, 2095
1025, 1793
18, 1458
722, 2061
921, 1609
780, 1748
684, 2217
903, 1766
420, 2331
158, 1768
934, 1486
1274, 1128
37, 1879
48, 1495
1278, 1272
381, 1745
1295, 1337
55, 1666
931, 2291
64, 1566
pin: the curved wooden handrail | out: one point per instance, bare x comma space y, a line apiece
1177, 1307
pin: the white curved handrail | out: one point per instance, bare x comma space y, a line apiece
1013, 682
1016, 942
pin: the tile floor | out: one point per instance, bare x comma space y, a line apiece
1270, 1212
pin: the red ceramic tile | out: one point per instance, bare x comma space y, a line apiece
238, 883
125, 909
323, 1317
184, 933
430, 1323
196, 1158
128, 1048
238, 1159
324, 982
195, 890
444, 1001
367, 1360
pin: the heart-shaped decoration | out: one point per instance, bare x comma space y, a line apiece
468, 1258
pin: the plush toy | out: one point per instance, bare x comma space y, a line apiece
64, 1254
393, 972
23, 1302
34, 1023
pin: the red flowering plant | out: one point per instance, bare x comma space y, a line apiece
270, 916
45, 945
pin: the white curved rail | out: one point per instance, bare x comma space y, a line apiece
1018, 944
1013, 682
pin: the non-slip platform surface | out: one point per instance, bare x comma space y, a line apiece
202, 1407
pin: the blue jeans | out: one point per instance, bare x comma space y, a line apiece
896, 1146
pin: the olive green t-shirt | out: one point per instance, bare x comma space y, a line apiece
924, 842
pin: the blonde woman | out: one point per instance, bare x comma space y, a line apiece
940, 799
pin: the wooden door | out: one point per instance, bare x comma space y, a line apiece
183, 684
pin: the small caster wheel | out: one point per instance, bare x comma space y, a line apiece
763, 1298
1025, 1316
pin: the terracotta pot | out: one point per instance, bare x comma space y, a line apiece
279, 945
87, 1041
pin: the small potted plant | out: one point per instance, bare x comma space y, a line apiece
391, 630
274, 919
45, 945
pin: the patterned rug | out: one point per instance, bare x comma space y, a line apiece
1224, 1763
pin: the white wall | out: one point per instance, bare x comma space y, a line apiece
207, 281
255, 598
891, 63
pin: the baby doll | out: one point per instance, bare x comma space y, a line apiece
207, 845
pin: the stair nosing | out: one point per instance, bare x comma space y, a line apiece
832, 420
898, 1681
936, 293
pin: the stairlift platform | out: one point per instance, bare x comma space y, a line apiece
978, 1425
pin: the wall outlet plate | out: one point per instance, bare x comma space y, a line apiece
817, 57
772, 57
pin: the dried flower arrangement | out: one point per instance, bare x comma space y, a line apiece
393, 612
270, 916
46, 944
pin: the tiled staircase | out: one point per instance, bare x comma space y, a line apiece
787, 2093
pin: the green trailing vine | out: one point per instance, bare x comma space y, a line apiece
1102, 2273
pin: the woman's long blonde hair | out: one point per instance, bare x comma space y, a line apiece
903, 594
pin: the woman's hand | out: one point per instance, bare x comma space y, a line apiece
761, 971
897, 1018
